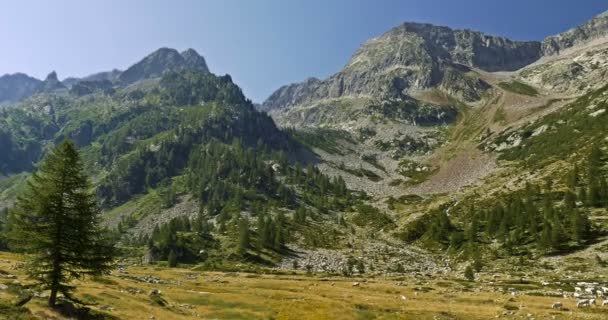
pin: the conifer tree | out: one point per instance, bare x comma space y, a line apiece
573, 178
569, 200
473, 229
545, 237
603, 192
279, 239
582, 195
594, 177
579, 226
172, 259
469, 274
262, 230
360, 267
557, 235
57, 220
477, 260
243, 236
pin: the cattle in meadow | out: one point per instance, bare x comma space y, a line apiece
556, 305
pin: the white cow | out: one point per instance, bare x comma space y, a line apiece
582, 303
590, 290
577, 289
605, 302
557, 305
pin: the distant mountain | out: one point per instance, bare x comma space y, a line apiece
111, 76
417, 56
15, 87
106, 75
414, 56
160, 61
52, 83
592, 29
194, 61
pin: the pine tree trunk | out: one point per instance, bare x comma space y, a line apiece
54, 282
53, 297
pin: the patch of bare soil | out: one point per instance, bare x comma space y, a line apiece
466, 168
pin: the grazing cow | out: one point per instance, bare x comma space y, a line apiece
577, 295
605, 302
577, 289
557, 305
590, 290
605, 289
582, 303
592, 301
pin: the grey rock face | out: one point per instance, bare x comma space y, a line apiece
14, 87
194, 61
52, 83
416, 56
106, 75
161, 60
472, 48
592, 29
410, 57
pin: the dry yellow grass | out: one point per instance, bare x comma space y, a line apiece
216, 295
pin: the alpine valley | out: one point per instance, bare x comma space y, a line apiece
440, 174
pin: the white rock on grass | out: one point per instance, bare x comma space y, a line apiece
597, 113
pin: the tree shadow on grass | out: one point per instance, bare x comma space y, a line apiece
71, 311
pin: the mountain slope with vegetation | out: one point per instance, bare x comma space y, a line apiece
434, 154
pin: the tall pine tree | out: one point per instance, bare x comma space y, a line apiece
56, 219
243, 244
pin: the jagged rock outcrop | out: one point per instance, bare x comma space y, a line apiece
414, 56
591, 30
417, 56
161, 60
85, 87
575, 61
194, 61
14, 87
51, 83
110, 76
19, 86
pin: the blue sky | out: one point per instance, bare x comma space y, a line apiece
263, 44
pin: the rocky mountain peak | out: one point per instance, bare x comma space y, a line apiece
51, 82
51, 77
468, 47
14, 87
593, 29
414, 56
161, 60
194, 60
419, 56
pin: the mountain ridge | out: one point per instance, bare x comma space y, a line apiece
419, 56
153, 65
